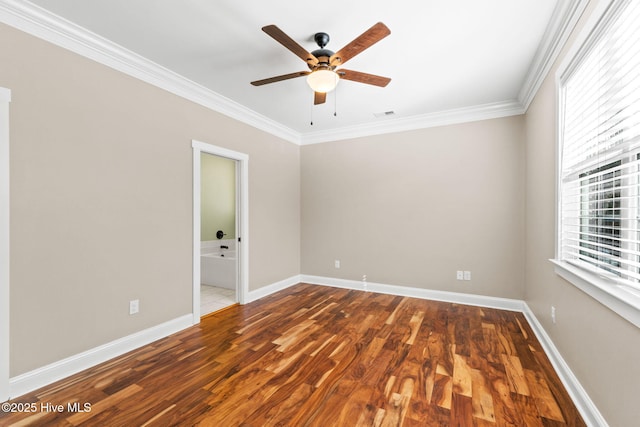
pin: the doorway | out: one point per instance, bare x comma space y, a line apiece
218, 254
220, 237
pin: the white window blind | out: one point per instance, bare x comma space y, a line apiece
600, 153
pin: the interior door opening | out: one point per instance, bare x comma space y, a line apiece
220, 228
218, 233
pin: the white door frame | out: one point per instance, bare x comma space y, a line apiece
5, 98
242, 221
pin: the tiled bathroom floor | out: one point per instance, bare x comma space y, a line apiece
213, 298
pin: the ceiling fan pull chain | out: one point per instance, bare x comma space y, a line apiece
311, 114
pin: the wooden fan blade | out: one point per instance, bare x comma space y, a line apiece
280, 78
319, 98
362, 42
360, 77
278, 35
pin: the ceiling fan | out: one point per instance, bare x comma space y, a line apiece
323, 63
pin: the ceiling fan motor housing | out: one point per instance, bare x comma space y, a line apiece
322, 55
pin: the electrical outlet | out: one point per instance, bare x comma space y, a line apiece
553, 314
134, 306
467, 275
336, 263
364, 282
459, 275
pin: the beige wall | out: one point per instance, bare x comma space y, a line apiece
101, 214
412, 208
601, 348
101, 201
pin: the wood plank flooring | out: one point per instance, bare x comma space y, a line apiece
320, 356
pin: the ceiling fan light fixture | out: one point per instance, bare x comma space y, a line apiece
323, 80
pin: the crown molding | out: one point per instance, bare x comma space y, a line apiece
45, 25
563, 20
421, 121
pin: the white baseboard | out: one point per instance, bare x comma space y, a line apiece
585, 405
45, 375
272, 288
48, 374
406, 291
40, 377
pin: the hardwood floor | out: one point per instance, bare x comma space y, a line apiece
320, 356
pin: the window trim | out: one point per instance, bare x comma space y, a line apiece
621, 299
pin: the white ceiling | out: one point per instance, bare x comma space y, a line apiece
453, 55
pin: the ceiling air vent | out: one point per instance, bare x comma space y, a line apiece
385, 114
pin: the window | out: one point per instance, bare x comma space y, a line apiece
599, 155
600, 213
